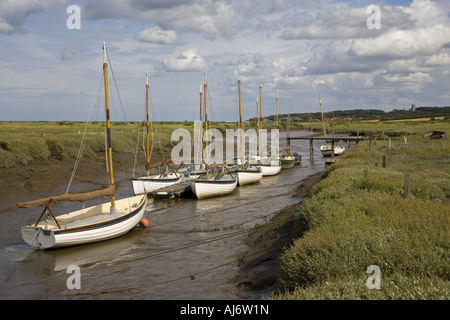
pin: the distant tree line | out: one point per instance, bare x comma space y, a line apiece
364, 114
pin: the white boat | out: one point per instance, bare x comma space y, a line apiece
149, 183
246, 173
270, 169
326, 150
270, 166
93, 224
85, 226
212, 186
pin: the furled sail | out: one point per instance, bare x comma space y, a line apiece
79, 197
159, 164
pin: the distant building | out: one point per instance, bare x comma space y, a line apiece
413, 107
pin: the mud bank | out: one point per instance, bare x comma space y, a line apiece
41, 178
259, 267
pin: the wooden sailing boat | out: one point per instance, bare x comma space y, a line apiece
286, 159
149, 183
197, 169
247, 173
93, 224
270, 166
326, 148
212, 185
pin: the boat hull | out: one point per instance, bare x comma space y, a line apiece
203, 188
88, 225
269, 166
270, 170
146, 185
249, 176
287, 163
326, 150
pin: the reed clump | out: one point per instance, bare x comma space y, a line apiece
359, 216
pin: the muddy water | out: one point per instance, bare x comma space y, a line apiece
190, 251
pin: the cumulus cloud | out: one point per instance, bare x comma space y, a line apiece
342, 22
209, 17
157, 35
13, 13
403, 43
189, 60
410, 48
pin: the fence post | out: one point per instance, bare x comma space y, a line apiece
406, 186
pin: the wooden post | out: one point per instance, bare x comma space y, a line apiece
384, 161
406, 186
332, 149
389, 144
311, 150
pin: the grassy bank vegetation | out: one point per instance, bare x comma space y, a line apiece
358, 216
22, 142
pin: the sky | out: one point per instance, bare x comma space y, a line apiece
347, 52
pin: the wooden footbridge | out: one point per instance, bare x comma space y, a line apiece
331, 140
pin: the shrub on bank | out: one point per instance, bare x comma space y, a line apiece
358, 216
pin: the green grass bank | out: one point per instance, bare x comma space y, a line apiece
359, 216
23, 142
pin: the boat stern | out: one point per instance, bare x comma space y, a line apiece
138, 186
38, 237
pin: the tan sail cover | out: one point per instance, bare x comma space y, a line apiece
284, 149
80, 197
159, 164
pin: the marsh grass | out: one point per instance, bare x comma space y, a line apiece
23, 142
358, 216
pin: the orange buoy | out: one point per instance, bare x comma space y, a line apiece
144, 222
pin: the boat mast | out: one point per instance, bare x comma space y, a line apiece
323, 123
260, 119
201, 121
276, 118
148, 125
240, 125
206, 122
257, 127
201, 115
108, 123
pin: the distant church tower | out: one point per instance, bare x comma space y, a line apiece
413, 107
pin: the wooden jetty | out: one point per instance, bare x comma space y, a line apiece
333, 139
180, 189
